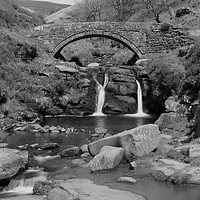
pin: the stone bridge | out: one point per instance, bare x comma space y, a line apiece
141, 38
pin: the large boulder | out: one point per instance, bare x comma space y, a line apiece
140, 141
137, 141
11, 161
168, 120
108, 158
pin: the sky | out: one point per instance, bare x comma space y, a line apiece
70, 2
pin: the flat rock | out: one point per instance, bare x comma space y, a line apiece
127, 179
108, 158
86, 190
65, 69
70, 152
11, 161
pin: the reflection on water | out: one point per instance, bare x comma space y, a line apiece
112, 123
115, 124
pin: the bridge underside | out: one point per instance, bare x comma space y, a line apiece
89, 34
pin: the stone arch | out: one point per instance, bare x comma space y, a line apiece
95, 33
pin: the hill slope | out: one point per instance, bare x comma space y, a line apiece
13, 16
41, 7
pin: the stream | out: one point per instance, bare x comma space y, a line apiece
58, 168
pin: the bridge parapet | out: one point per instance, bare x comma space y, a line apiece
142, 38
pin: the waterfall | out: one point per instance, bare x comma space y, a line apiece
100, 98
23, 184
140, 112
139, 99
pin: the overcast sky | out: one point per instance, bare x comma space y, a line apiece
70, 2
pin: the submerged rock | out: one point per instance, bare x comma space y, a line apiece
70, 152
108, 158
87, 190
11, 161
127, 179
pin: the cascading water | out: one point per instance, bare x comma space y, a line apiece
23, 184
140, 112
100, 96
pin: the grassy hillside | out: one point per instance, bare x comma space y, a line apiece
13, 16
41, 7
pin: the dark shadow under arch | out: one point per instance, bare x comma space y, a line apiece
90, 34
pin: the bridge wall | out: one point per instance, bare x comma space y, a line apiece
142, 38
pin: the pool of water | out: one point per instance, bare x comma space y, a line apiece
115, 124
112, 123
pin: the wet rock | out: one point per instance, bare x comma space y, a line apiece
101, 131
87, 190
54, 110
126, 99
138, 141
11, 161
127, 179
108, 158
70, 152
42, 187
49, 146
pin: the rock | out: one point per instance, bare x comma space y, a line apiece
141, 140
64, 100
42, 187
87, 190
53, 128
70, 152
133, 165
29, 115
108, 158
58, 194
25, 197
193, 150
172, 106
11, 161
66, 69
168, 120
3, 135
127, 179
137, 141
177, 172
54, 110
126, 99
49, 146
4, 145
85, 155
101, 131
84, 148
95, 147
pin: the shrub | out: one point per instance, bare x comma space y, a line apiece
166, 75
